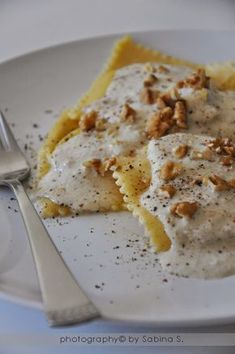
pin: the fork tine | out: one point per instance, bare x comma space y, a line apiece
7, 138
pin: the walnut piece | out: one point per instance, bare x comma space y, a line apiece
101, 166
174, 94
150, 80
167, 190
184, 209
170, 170
148, 96
109, 164
180, 151
218, 183
227, 160
230, 150
224, 147
95, 164
166, 114
160, 103
159, 123
232, 183
87, 121
202, 155
180, 115
128, 114
197, 80
172, 99
157, 128
168, 99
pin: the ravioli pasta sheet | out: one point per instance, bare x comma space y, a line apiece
133, 175
125, 52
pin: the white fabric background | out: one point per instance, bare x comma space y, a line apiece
26, 25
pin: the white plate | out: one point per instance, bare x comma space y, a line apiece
103, 251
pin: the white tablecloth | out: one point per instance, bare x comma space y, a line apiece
26, 25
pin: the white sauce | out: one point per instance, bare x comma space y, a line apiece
69, 183
210, 112
88, 191
204, 245
212, 116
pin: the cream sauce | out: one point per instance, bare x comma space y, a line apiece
69, 183
204, 245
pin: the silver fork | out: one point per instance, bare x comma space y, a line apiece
64, 301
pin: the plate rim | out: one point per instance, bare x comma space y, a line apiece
110, 35
216, 321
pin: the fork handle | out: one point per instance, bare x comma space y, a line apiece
64, 301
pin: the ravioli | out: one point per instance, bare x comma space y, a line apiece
125, 53
192, 192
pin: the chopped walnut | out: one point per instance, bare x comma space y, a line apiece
200, 79
170, 97
227, 160
159, 123
87, 121
167, 190
166, 114
222, 146
170, 170
230, 150
148, 96
180, 115
167, 99
160, 103
163, 69
99, 166
218, 183
180, 151
174, 94
184, 209
202, 155
207, 155
197, 80
232, 183
150, 80
128, 114
95, 164
156, 127
109, 164
180, 84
